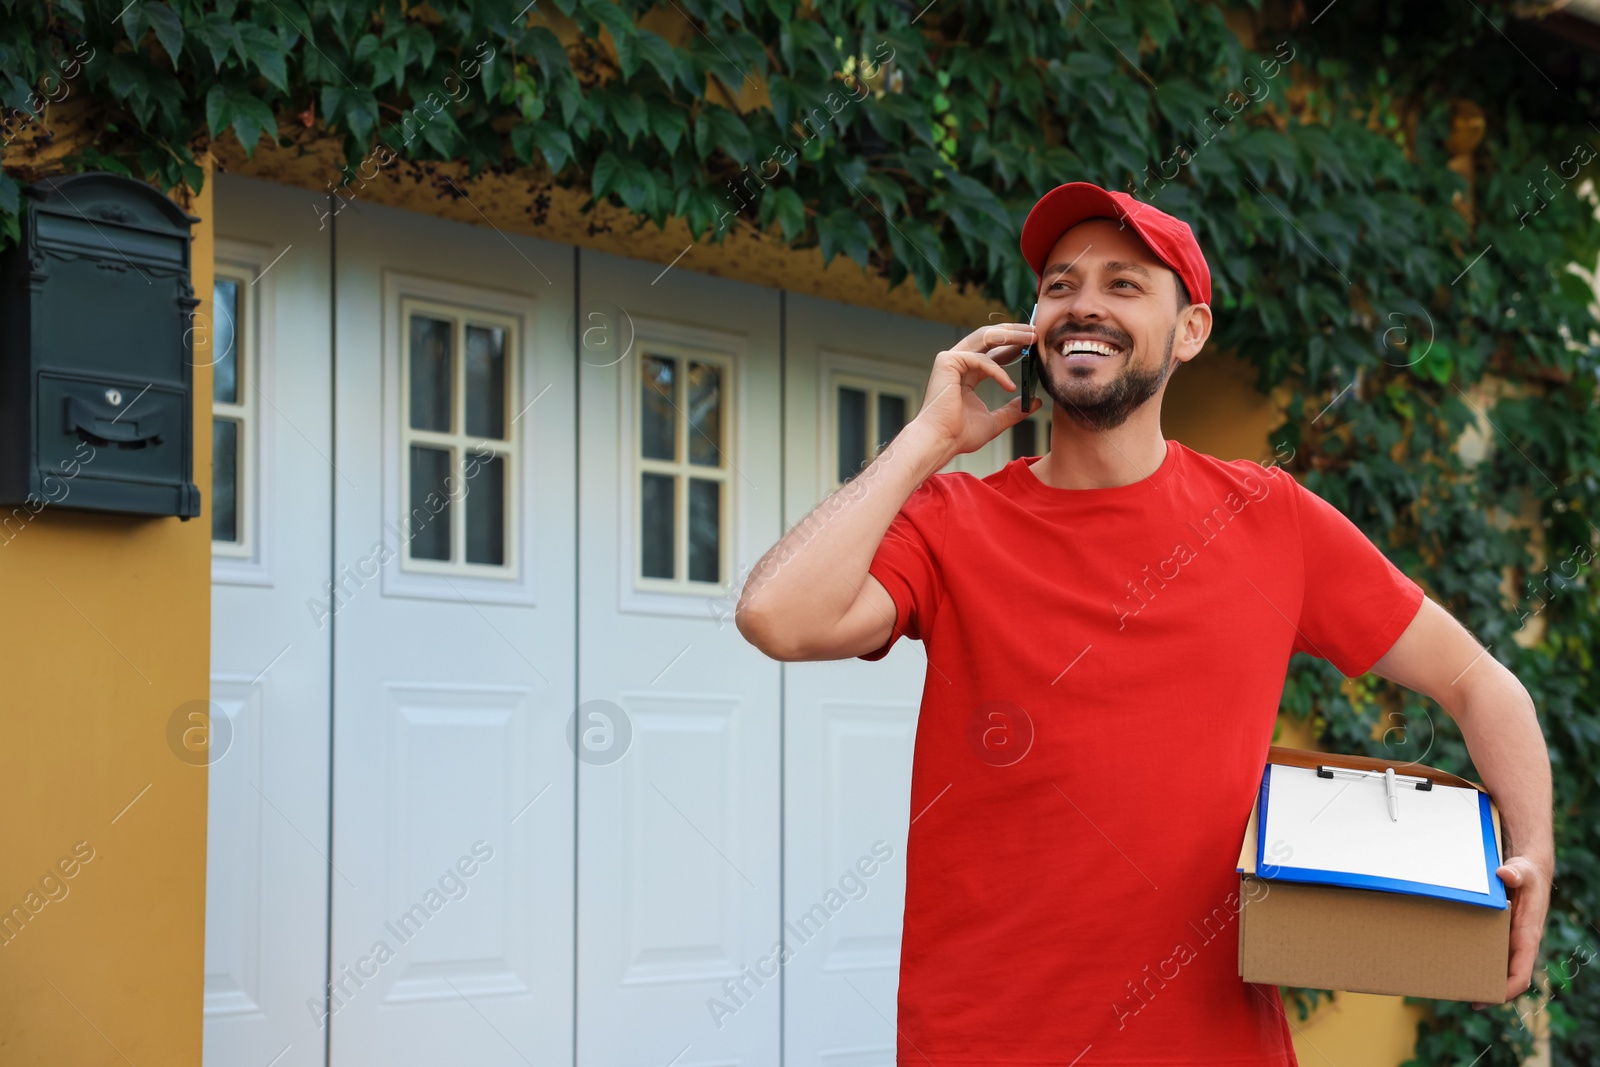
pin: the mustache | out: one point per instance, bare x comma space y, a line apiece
1109, 334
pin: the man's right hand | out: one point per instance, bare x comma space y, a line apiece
952, 411
813, 595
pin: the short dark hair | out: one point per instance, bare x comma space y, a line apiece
1183, 291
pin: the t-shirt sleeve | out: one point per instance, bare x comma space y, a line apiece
907, 564
1356, 603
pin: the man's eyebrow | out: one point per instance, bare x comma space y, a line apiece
1131, 268
1115, 266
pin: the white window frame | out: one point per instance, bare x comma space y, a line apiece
248, 561
679, 596
461, 445
859, 372
511, 581
681, 470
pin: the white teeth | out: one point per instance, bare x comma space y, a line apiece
1092, 347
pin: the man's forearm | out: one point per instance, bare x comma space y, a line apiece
1501, 728
809, 579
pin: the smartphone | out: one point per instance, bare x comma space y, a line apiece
1029, 368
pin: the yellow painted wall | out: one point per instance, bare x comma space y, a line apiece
1355, 1030
106, 631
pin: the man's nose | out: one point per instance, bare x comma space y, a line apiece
1084, 303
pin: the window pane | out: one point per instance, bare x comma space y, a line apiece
486, 513
430, 374
891, 417
705, 414
852, 431
1025, 439
224, 480
486, 382
225, 342
705, 530
429, 520
656, 538
657, 427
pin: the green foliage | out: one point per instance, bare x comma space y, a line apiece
913, 140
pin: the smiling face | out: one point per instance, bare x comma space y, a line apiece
1113, 322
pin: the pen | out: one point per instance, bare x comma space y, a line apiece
1388, 789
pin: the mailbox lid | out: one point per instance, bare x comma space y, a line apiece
96, 316
73, 235
111, 217
110, 289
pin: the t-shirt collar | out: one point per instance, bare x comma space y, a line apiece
1029, 484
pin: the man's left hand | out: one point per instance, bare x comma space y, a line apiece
1529, 884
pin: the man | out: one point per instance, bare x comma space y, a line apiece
1108, 627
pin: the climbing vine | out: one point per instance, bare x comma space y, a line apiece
1390, 197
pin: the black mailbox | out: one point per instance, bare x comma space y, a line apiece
96, 373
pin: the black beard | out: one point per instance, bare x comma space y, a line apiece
1116, 401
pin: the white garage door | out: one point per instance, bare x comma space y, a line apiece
572, 817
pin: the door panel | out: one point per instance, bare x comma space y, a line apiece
678, 830
266, 867
453, 787
849, 725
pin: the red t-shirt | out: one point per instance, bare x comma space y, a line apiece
1104, 671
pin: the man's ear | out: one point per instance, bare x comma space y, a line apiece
1194, 326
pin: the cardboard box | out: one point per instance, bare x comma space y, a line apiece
1364, 940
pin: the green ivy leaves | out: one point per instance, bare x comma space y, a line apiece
715, 127
232, 107
161, 20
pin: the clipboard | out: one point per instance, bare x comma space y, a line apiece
1359, 832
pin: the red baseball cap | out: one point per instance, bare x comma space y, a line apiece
1172, 240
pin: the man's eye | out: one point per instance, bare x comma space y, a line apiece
1056, 285
1124, 281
